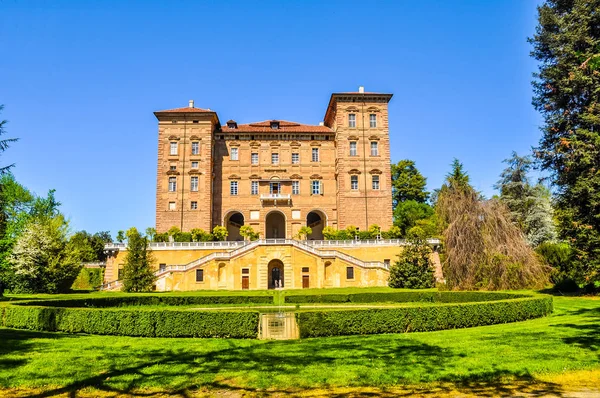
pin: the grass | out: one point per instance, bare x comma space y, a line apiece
539, 352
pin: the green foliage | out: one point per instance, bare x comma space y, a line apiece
352, 232
120, 236
163, 237
5, 144
530, 205
407, 214
248, 233
88, 279
408, 183
134, 322
420, 319
402, 297
414, 268
200, 235
151, 300
220, 233
559, 256
150, 233
90, 248
173, 231
566, 94
304, 232
42, 259
138, 275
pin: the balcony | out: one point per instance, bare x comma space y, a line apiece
282, 198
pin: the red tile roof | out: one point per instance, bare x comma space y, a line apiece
284, 127
186, 109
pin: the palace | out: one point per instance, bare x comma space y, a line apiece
276, 176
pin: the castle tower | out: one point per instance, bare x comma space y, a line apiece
363, 172
184, 172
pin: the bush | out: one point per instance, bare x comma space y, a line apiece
403, 297
133, 322
420, 319
135, 300
559, 256
414, 268
88, 278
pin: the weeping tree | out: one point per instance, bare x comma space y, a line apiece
484, 248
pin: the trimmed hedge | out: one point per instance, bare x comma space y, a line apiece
403, 297
132, 322
129, 301
420, 319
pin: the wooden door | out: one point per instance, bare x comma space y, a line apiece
305, 282
245, 283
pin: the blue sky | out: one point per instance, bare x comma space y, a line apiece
80, 80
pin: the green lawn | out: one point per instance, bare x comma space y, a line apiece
568, 340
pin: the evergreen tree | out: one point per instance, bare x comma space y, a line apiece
138, 275
5, 143
414, 268
409, 213
408, 183
567, 46
530, 205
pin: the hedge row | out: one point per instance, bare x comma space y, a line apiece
403, 297
420, 319
132, 322
128, 301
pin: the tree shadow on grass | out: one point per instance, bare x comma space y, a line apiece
295, 365
15, 341
588, 331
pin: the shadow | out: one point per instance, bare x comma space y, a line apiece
15, 342
588, 332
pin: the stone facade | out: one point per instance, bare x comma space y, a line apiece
276, 176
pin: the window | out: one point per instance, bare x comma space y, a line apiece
295, 187
376, 182
233, 188
171, 205
295, 158
254, 158
199, 275
274, 188
316, 187
351, 120
304, 269
372, 120
245, 271
120, 274
353, 148
349, 272
354, 183
195, 148
194, 184
254, 188
234, 154
194, 165
315, 154
162, 267
172, 167
173, 148
172, 184
374, 148
194, 205
274, 158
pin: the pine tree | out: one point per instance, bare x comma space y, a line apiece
530, 205
408, 183
138, 275
566, 93
414, 268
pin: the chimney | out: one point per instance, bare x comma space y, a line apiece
321, 123
191, 103
361, 89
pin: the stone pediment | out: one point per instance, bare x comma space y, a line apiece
315, 143
234, 143
294, 144
254, 144
254, 177
353, 138
316, 177
172, 173
374, 138
375, 171
173, 138
354, 171
234, 177
295, 177
194, 172
195, 138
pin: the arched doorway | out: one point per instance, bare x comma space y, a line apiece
316, 221
234, 221
275, 225
275, 273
